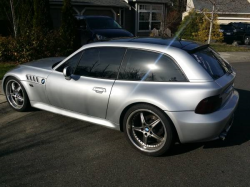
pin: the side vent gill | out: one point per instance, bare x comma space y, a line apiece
33, 78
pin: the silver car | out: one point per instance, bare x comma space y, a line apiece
156, 91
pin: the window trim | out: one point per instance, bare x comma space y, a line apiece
67, 59
122, 61
125, 52
150, 16
158, 52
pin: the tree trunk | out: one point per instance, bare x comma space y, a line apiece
13, 18
211, 26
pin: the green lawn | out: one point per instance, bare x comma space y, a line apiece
221, 47
4, 67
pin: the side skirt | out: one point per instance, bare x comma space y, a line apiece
98, 121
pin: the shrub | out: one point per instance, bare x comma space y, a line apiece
31, 46
196, 27
203, 33
190, 25
6, 44
35, 38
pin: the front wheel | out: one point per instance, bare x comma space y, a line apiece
16, 95
148, 129
247, 40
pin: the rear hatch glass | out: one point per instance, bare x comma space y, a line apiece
215, 66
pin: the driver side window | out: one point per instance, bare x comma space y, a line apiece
72, 62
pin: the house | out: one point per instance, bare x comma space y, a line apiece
227, 10
137, 16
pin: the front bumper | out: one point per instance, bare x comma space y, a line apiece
192, 127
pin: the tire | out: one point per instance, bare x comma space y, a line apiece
247, 40
148, 129
16, 95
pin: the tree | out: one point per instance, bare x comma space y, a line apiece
190, 25
196, 27
42, 20
205, 27
68, 27
173, 18
211, 8
19, 13
8, 12
24, 16
211, 19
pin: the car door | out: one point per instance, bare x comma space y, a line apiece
88, 90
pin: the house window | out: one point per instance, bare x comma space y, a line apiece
150, 17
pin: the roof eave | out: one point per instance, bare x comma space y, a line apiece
87, 4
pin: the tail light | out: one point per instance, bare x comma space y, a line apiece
209, 105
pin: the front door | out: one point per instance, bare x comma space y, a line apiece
89, 89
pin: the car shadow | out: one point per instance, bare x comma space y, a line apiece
238, 134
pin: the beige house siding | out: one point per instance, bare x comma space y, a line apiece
224, 17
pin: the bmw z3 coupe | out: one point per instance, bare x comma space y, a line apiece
156, 91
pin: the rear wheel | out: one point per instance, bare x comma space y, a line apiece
16, 95
148, 129
247, 40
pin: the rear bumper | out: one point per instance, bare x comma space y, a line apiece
192, 127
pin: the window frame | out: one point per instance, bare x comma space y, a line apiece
67, 59
125, 51
158, 52
150, 11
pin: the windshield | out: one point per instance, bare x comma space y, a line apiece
103, 23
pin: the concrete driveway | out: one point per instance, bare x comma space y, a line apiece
39, 148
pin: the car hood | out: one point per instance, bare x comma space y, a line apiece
113, 33
45, 63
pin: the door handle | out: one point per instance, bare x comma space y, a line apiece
99, 89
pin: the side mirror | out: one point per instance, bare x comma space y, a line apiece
67, 72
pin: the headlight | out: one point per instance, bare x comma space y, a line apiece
100, 37
221, 30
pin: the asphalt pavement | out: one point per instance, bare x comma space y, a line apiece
39, 148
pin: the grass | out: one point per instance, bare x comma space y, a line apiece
222, 47
4, 67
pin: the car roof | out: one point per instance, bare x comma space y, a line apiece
171, 42
178, 50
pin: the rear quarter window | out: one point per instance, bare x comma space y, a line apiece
139, 65
211, 62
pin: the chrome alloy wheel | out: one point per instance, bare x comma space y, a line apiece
146, 130
15, 94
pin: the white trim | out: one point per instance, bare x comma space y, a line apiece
97, 8
237, 13
78, 13
136, 19
120, 15
124, 14
150, 15
232, 18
